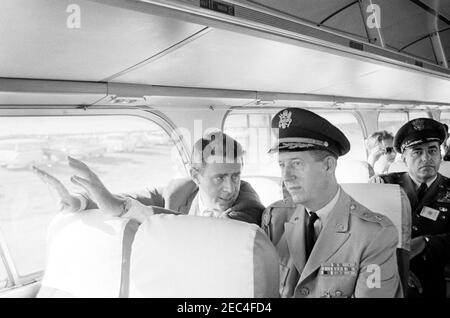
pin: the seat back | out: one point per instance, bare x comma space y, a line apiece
391, 201
188, 256
444, 169
88, 256
398, 166
352, 171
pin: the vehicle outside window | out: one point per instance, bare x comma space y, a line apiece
129, 153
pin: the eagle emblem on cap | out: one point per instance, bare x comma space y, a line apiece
285, 119
418, 124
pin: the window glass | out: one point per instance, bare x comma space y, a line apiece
418, 114
3, 275
391, 121
254, 133
128, 153
445, 118
349, 125
257, 138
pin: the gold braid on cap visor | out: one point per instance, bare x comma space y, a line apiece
418, 141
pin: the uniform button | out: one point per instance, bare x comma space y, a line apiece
352, 207
338, 293
304, 291
414, 228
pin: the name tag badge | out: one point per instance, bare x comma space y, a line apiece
429, 213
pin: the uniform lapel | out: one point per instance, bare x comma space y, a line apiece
331, 237
429, 195
410, 188
295, 237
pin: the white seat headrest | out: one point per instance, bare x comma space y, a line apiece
387, 199
188, 256
88, 256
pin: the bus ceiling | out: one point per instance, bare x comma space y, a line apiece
209, 53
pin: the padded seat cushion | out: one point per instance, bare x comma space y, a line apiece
189, 256
88, 255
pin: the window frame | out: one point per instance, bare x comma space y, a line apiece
269, 110
14, 279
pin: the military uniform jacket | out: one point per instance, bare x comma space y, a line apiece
429, 265
351, 247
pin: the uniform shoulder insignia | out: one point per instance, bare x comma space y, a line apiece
446, 181
370, 216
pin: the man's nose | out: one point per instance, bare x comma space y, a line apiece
286, 173
426, 156
227, 185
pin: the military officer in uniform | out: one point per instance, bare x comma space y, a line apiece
329, 244
428, 191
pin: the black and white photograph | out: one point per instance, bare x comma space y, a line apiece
224, 155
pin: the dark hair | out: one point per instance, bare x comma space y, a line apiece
213, 144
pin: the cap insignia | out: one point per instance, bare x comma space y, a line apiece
285, 119
418, 124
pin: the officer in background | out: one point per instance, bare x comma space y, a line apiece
428, 191
328, 243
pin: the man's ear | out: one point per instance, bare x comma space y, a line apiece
330, 164
403, 157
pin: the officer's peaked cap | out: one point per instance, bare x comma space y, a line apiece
299, 129
418, 131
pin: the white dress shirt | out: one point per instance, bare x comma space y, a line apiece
323, 213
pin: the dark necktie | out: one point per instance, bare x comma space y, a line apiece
310, 233
421, 191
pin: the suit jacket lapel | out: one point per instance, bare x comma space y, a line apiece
182, 197
331, 237
295, 237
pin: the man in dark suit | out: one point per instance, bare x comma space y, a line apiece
429, 194
214, 189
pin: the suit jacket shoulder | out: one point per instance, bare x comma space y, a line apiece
247, 207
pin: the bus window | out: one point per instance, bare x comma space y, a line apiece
392, 121
129, 153
445, 118
418, 114
254, 133
349, 125
3, 275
